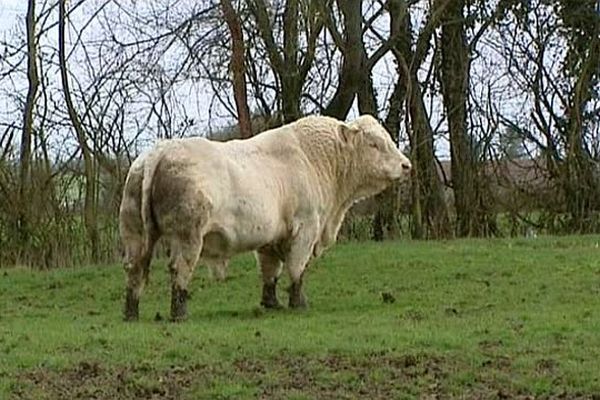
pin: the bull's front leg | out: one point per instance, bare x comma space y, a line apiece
270, 266
296, 262
297, 296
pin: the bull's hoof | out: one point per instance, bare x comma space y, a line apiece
130, 317
131, 310
178, 304
299, 303
271, 305
269, 296
178, 318
297, 298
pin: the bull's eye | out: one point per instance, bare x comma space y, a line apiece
373, 145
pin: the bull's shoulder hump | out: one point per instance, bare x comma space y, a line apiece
189, 147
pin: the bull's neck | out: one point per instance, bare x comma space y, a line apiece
336, 166
322, 154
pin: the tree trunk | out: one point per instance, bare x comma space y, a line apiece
454, 80
579, 179
580, 182
238, 68
431, 214
24, 211
89, 212
291, 84
385, 221
429, 211
290, 71
351, 73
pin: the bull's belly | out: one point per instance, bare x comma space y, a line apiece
227, 240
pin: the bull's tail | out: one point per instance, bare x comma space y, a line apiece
150, 227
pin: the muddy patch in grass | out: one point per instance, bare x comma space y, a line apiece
374, 376
91, 380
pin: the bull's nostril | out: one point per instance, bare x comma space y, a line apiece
406, 167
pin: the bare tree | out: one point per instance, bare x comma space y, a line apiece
582, 24
290, 66
89, 212
28, 128
429, 210
554, 57
455, 65
238, 68
385, 221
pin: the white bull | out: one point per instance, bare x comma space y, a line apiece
283, 194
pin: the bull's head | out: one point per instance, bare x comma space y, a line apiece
378, 160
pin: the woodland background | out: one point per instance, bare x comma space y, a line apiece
497, 103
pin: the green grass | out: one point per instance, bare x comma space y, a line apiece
464, 319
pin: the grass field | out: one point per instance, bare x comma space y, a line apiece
509, 318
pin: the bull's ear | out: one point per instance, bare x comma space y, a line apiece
349, 135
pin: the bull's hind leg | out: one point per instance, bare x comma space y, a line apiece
184, 256
217, 268
137, 267
270, 266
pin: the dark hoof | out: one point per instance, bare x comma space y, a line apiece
297, 298
179, 318
299, 303
178, 304
276, 305
269, 297
131, 311
130, 318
